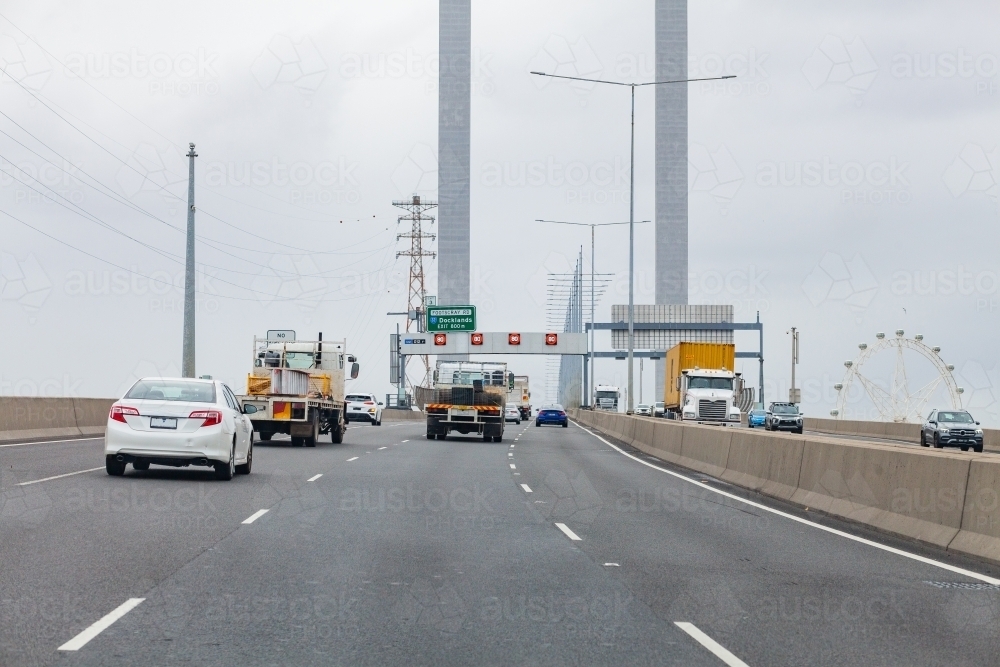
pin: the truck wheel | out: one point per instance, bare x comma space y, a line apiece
310, 440
498, 438
265, 436
442, 436
337, 434
297, 442
430, 436
487, 438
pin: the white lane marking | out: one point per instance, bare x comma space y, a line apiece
51, 442
807, 522
381, 448
405, 441
513, 467
611, 565
69, 474
78, 642
715, 647
256, 515
353, 458
569, 533
527, 489
314, 477
510, 454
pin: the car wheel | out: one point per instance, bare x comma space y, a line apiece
115, 467
140, 465
937, 442
565, 425
923, 439
978, 449
799, 431
538, 423
964, 448
245, 468
225, 471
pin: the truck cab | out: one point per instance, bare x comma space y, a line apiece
709, 395
606, 397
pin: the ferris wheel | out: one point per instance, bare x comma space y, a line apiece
898, 403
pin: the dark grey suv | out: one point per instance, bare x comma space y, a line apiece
951, 428
783, 417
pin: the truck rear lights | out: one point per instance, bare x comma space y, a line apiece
211, 417
298, 410
118, 413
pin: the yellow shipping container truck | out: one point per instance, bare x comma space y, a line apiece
701, 383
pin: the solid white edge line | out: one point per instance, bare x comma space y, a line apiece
78, 642
51, 442
527, 489
893, 550
256, 515
314, 477
721, 652
569, 533
353, 458
69, 474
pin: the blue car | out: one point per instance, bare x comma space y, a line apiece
552, 414
756, 418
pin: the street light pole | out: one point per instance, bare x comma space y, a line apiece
593, 271
631, 203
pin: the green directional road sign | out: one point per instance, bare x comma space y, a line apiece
451, 318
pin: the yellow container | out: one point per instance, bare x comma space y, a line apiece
686, 356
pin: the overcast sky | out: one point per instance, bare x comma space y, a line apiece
845, 183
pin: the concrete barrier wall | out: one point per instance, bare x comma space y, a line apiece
943, 497
25, 418
403, 415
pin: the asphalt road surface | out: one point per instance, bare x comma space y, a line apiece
552, 547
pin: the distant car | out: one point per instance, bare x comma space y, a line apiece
783, 417
363, 407
179, 422
552, 414
659, 409
756, 417
643, 410
512, 413
951, 428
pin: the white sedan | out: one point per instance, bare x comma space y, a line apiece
512, 413
179, 422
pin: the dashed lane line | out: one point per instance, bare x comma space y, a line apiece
720, 652
314, 477
353, 458
81, 640
381, 448
256, 515
69, 474
513, 467
569, 533
884, 547
527, 489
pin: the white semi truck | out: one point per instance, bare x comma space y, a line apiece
606, 397
520, 396
298, 387
701, 385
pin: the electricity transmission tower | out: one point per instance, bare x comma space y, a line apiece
417, 291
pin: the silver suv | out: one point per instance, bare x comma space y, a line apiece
783, 417
952, 428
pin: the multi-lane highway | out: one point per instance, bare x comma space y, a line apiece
555, 546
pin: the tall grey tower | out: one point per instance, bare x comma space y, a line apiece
454, 107
671, 157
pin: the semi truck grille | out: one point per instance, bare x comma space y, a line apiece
712, 409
